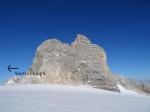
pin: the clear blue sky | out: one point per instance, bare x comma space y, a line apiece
122, 27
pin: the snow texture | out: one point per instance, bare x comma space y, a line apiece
58, 98
126, 91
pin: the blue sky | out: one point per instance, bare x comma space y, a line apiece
122, 27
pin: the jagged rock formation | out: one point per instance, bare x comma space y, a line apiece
79, 63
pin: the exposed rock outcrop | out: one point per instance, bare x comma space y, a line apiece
81, 63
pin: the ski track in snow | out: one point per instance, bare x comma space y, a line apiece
58, 98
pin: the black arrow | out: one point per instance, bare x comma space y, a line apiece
9, 68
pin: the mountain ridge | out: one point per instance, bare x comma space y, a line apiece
81, 63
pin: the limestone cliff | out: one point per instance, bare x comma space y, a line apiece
79, 63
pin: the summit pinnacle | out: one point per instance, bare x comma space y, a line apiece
81, 39
82, 63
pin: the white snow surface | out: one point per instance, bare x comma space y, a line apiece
58, 98
126, 91
10, 82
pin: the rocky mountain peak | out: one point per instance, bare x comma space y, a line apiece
81, 39
82, 63
52, 41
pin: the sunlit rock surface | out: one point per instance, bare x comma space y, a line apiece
81, 63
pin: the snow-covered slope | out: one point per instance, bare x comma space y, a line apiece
56, 98
13, 81
126, 91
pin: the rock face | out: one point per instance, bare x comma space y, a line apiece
81, 63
